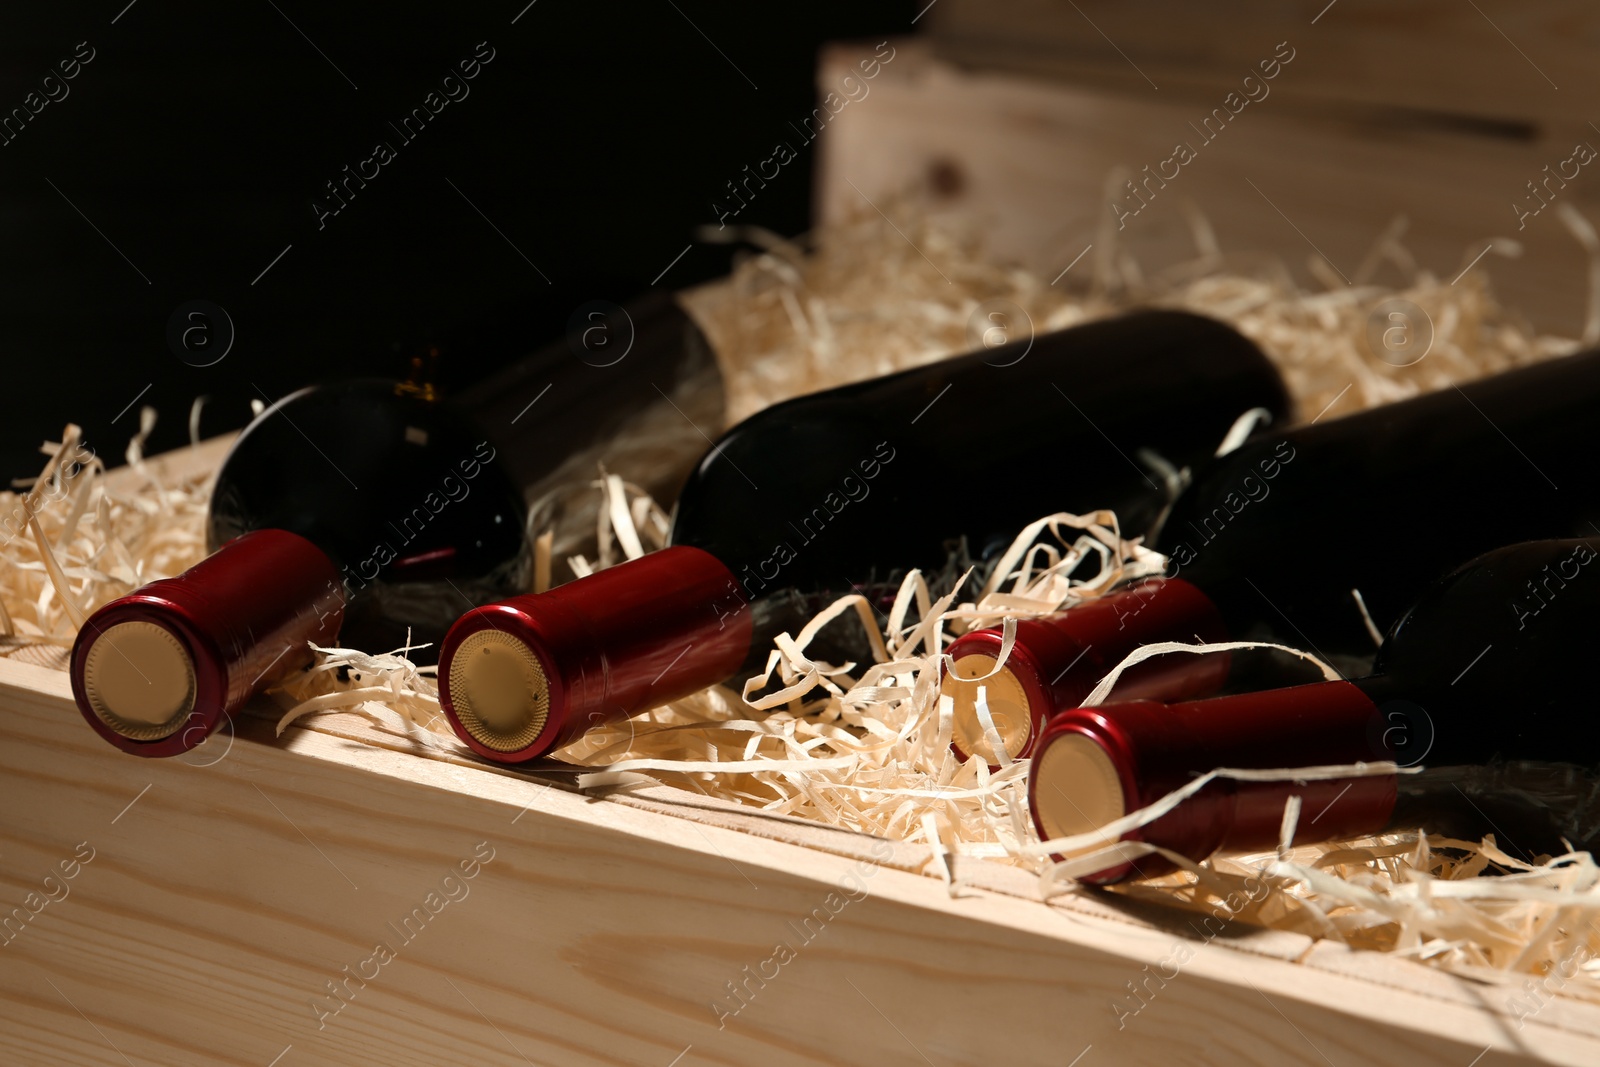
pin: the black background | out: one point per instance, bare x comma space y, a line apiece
198, 136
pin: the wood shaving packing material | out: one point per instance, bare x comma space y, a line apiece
70, 544
857, 300
867, 747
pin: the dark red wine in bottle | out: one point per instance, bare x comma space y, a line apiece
845, 490
1276, 534
1485, 684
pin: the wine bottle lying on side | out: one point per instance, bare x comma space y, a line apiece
844, 490
367, 511
420, 500
1485, 680
303, 551
404, 493
157, 671
1269, 540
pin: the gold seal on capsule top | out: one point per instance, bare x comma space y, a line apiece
140, 680
499, 691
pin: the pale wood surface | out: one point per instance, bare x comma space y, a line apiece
1029, 158
222, 899
1529, 62
203, 458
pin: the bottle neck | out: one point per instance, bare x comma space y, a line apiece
1056, 661
156, 671
579, 392
1119, 758
1480, 682
1532, 808
1154, 749
842, 640
529, 674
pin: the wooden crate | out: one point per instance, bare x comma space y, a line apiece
212, 899
1015, 112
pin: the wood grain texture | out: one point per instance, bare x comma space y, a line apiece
1029, 159
1526, 62
201, 459
220, 899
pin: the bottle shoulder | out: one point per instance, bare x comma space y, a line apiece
1290, 525
1536, 601
1499, 652
900, 471
384, 483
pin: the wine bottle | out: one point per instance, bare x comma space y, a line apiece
375, 494
1056, 660
400, 490
551, 414
1483, 683
844, 490
157, 671
419, 500
1276, 534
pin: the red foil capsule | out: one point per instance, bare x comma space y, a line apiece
1058, 659
526, 675
1094, 765
156, 671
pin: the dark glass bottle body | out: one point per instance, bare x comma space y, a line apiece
846, 489
404, 494
1277, 533
1280, 531
1486, 683
858, 484
552, 414
1483, 684
945, 464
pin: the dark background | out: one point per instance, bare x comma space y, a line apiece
198, 136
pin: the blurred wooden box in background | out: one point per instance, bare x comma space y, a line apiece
1016, 111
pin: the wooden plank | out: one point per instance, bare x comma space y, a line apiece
221, 899
1525, 64
1030, 159
201, 459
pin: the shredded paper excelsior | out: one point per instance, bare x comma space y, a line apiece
867, 746
70, 543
